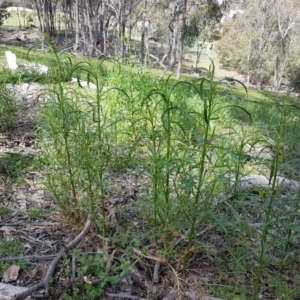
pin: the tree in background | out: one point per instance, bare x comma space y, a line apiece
287, 17
258, 41
246, 41
293, 65
46, 10
3, 15
188, 19
106, 27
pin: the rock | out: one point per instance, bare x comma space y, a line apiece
36, 68
21, 37
287, 185
29, 68
25, 93
11, 60
255, 181
84, 83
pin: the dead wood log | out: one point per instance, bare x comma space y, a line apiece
45, 283
7, 291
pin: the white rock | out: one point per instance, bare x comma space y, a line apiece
250, 182
30, 68
36, 68
253, 181
84, 83
287, 184
11, 60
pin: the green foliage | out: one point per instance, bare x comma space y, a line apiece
8, 107
202, 24
21, 75
233, 292
13, 165
3, 210
3, 15
188, 144
294, 78
23, 54
188, 141
36, 213
95, 269
232, 52
190, 32
11, 247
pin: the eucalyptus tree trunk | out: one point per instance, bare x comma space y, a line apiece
71, 19
66, 18
287, 17
248, 62
266, 21
52, 13
130, 20
102, 35
173, 26
143, 33
95, 15
174, 41
40, 13
261, 47
181, 41
122, 27
38, 6
46, 11
199, 52
179, 56
76, 25
89, 26
281, 61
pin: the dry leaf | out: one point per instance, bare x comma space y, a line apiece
87, 280
7, 229
11, 274
91, 280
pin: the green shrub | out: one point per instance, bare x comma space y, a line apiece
294, 78
8, 107
3, 15
94, 275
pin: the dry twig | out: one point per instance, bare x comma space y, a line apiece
155, 272
45, 283
29, 257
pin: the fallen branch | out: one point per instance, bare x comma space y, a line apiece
45, 283
122, 295
29, 257
161, 62
7, 291
151, 257
35, 257
155, 272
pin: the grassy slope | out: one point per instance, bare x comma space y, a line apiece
234, 95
